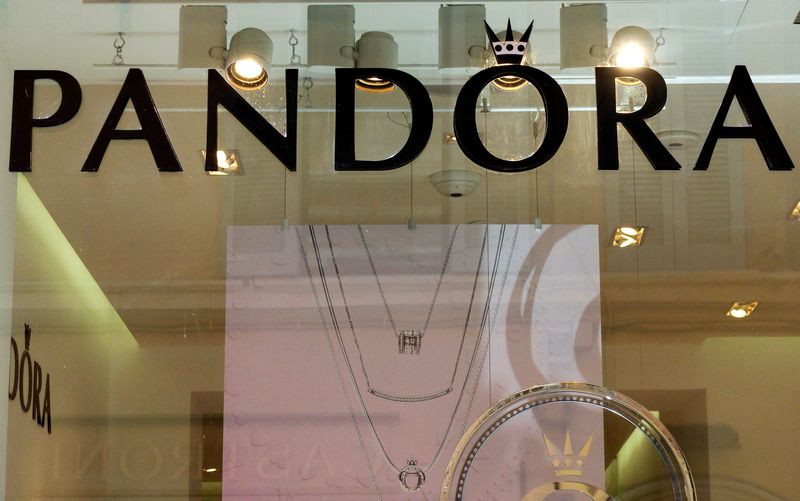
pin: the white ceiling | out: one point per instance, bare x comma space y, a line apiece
77, 36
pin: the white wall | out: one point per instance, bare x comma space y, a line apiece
7, 211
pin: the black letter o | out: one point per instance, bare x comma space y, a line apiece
12, 388
26, 405
555, 107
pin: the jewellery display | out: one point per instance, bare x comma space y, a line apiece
568, 467
412, 476
409, 341
411, 471
413, 342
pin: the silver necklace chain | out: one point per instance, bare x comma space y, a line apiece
492, 320
352, 374
380, 288
336, 365
427, 396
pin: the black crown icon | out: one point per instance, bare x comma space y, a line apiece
508, 51
27, 337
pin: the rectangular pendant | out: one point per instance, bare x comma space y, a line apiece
409, 341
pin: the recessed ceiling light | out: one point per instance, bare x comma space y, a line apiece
227, 163
795, 214
678, 139
741, 310
628, 236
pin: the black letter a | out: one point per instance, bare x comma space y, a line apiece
135, 90
759, 125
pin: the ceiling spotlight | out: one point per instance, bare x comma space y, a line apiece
248, 59
511, 51
628, 236
741, 310
795, 214
632, 47
375, 49
461, 38
202, 44
584, 41
227, 163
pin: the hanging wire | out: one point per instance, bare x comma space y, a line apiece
308, 84
660, 41
285, 220
537, 222
638, 270
407, 123
485, 109
412, 224
485, 112
119, 43
293, 41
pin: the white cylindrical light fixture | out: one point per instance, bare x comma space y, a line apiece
202, 37
584, 35
375, 49
249, 59
461, 31
330, 27
632, 47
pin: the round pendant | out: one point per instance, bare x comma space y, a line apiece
411, 477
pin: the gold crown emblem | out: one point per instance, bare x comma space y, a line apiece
565, 462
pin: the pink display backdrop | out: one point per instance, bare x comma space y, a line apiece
294, 428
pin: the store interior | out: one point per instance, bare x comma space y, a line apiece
122, 273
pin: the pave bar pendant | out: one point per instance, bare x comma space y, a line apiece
412, 477
409, 341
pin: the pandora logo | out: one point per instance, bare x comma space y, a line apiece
284, 145
29, 383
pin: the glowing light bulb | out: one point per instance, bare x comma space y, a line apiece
374, 85
741, 310
738, 313
222, 160
247, 69
630, 56
227, 163
795, 214
627, 236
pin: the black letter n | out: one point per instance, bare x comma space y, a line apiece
283, 147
